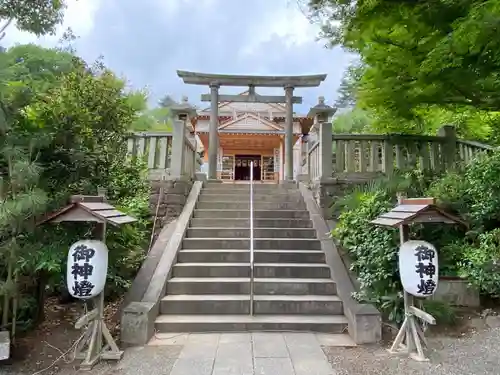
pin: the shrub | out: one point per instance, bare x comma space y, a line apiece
373, 250
480, 262
473, 192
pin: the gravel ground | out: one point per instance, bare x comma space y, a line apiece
478, 354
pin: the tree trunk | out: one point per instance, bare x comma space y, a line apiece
40, 296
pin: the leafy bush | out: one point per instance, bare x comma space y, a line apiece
73, 120
373, 250
480, 262
474, 192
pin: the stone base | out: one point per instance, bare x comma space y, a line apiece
168, 204
327, 191
4, 345
457, 292
137, 323
200, 176
302, 178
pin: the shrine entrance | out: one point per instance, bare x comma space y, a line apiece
230, 115
242, 167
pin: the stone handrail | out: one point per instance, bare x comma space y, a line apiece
386, 153
467, 149
313, 164
157, 149
365, 154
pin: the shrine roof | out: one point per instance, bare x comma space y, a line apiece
88, 208
195, 78
416, 210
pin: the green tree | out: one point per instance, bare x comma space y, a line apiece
38, 17
68, 122
419, 55
353, 121
347, 92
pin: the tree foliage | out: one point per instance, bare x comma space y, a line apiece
36, 16
347, 92
355, 120
64, 129
419, 56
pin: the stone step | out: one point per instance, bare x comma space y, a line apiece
225, 269
244, 243
265, 270
245, 232
246, 187
243, 256
241, 285
225, 323
240, 304
296, 198
245, 223
245, 214
292, 270
228, 205
256, 192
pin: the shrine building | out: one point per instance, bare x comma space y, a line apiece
251, 132
236, 130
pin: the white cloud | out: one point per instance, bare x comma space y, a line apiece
288, 23
79, 15
171, 7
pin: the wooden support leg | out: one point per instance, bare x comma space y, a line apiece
419, 355
398, 341
97, 348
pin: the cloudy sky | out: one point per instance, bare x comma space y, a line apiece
148, 40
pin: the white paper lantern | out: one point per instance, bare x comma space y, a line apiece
418, 268
87, 268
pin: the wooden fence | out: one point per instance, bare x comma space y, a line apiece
157, 148
334, 154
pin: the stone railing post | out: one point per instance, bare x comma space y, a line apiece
325, 150
322, 114
448, 132
178, 147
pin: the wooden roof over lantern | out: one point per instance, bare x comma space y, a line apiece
416, 210
86, 208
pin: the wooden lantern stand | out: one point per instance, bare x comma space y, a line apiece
410, 339
96, 343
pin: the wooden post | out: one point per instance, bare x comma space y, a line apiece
177, 158
449, 146
410, 330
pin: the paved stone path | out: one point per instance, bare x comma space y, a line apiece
229, 354
249, 354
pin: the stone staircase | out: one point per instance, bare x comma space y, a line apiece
209, 288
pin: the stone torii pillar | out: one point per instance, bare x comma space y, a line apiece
288, 175
213, 137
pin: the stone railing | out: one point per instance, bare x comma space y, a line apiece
157, 148
336, 161
172, 162
334, 154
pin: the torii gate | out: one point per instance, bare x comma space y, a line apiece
215, 81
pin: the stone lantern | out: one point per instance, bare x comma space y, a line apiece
321, 112
184, 112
